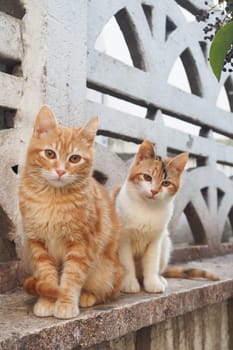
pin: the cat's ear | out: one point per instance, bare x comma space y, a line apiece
45, 122
145, 151
89, 130
178, 162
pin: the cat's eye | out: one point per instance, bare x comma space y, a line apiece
50, 154
147, 177
75, 158
166, 183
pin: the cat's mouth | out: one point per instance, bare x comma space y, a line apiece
58, 182
152, 197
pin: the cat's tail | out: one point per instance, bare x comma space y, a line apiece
35, 287
173, 271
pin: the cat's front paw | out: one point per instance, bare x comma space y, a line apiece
130, 285
44, 307
65, 310
154, 285
164, 281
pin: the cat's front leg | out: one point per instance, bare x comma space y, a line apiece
152, 281
44, 307
74, 274
44, 281
166, 248
130, 283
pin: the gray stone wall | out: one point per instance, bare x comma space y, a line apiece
46, 42
204, 329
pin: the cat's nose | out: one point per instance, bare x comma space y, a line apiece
154, 192
60, 172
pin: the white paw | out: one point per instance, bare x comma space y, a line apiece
164, 281
65, 310
44, 307
154, 285
130, 285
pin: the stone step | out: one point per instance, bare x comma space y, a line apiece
21, 330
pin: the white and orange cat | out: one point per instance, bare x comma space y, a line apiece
145, 205
70, 224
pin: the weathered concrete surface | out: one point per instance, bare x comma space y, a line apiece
20, 329
203, 329
10, 38
11, 273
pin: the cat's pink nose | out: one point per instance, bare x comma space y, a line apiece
60, 172
154, 192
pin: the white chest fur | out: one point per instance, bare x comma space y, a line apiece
143, 219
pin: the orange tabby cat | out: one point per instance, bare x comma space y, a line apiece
145, 204
70, 224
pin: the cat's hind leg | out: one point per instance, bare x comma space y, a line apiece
103, 283
87, 299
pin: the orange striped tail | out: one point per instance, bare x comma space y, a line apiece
188, 273
34, 286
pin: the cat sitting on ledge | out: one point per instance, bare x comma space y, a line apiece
145, 204
70, 224
79, 251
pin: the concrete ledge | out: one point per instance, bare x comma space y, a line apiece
11, 273
21, 330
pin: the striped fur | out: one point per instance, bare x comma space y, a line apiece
70, 224
188, 273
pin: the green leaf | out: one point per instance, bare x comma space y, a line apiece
219, 47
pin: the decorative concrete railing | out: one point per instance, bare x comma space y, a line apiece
157, 33
36, 67
48, 55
